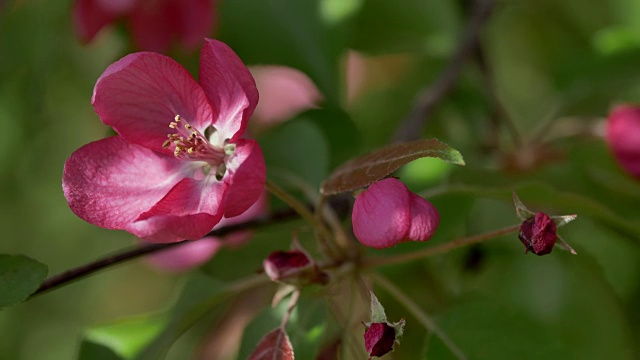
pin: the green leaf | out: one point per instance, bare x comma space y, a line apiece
122, 339
364, 170
297, 148
20, 277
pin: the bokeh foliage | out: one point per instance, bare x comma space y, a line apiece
550, 63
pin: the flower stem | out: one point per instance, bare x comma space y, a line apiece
323, 233
419, 314
293, 301
439, 249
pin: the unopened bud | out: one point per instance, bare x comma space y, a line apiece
538, 234
379, 339
292, 267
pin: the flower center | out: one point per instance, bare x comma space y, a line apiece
188, 143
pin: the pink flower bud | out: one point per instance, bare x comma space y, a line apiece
538, 234
292, 267
379, 339
387, 213
623, 137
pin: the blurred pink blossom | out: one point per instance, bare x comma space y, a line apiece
178, 164
623, 137
195, 253
284, 93
387, 213
154, 24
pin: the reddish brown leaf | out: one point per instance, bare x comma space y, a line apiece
364, 170
273, 346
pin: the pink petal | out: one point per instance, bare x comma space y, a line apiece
140, 94
191, 197
194, 21
229, 87
424, 219
89, 17
168, 228
110, 182
152, 25
185, 256
246, 174
382, 214
284, 91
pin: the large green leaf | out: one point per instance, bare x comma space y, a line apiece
20, 277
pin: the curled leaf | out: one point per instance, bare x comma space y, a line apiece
364, 170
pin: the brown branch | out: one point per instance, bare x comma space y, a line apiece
145, 249
413, 125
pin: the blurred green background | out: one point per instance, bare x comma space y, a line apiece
551, 65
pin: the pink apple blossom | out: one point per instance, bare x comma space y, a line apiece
154, 24
178, 164
285, 93
387, 213
188, 256
623, 137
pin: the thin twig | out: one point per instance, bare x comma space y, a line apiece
411, 128
446, 247
419, 314
145, 249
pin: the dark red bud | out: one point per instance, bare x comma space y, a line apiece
293, 267
379, 339
538, 234
282, 264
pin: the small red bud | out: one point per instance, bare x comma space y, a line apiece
379, 339
538, 234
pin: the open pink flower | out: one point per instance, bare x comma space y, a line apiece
178, 165
153, 23
387, 213
623, 137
